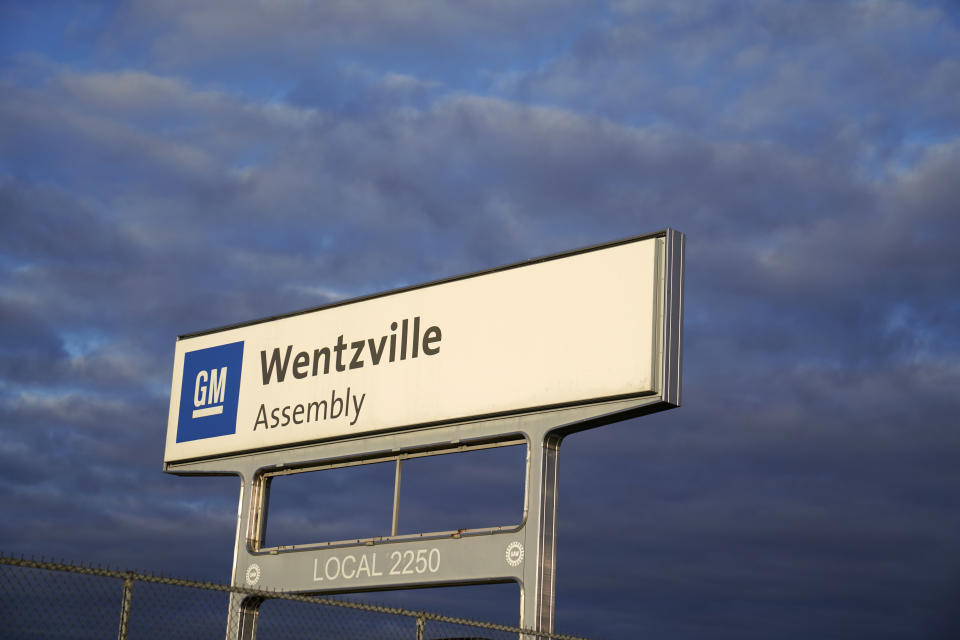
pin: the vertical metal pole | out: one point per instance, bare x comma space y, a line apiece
539, 581
125, 606
244, 610
546, 583
249, 612
396, 498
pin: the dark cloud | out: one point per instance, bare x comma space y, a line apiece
822, 76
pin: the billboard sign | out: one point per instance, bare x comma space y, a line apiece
583, 327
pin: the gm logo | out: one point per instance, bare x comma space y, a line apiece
209, 392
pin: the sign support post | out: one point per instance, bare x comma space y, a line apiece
525, 554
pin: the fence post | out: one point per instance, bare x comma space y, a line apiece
125, 606
421, 626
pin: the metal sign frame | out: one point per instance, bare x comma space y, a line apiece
524, 554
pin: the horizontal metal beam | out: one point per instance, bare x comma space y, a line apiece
403, 564
534, 426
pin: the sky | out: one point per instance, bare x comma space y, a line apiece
170, 167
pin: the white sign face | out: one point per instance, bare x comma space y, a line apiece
572, 329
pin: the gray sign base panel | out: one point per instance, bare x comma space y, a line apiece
524, 554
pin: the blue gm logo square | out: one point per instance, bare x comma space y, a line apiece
209, 392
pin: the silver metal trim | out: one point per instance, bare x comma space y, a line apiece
673, 281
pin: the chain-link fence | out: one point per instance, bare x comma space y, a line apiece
41, 599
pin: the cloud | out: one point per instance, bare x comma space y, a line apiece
828, 77
299, 33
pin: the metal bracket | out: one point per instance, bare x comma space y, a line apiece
525, 554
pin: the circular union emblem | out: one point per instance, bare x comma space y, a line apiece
514, 554
253, 574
